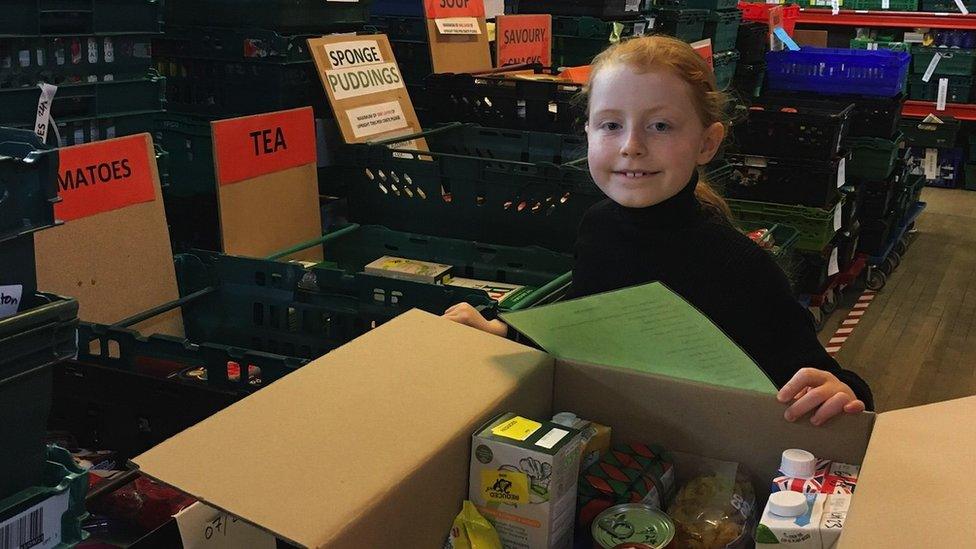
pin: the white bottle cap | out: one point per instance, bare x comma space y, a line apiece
798, 464
566, 419
787, 504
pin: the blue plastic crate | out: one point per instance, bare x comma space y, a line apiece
838, 71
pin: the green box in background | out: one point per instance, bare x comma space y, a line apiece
872, 158
724, 64
723, 28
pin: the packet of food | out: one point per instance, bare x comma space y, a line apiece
472, 531
715, 504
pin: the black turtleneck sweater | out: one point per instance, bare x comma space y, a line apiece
720, 271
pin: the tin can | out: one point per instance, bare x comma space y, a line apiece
632, 525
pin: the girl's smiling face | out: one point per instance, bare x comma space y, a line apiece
645, 137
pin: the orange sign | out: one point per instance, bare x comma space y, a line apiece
252, 146
521, 39
103, 176
443, 9
577, 75
704, 49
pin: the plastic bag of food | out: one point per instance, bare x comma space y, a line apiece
472, 531
715, 504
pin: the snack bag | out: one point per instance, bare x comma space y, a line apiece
714, 509
472, 531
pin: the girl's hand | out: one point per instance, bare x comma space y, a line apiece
816, 389
464, 313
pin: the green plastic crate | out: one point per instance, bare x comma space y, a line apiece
925, 134
959, 89
882, 5
61, 489
684, 24
972, 146
278, 15
188, 141
955, 61
970, 184
28, 183
45, 17
547, 274
70, 59
724, 65
577, 40
872, 158
816, 226
39, 335
947, 6
868, 44
85, 100
723, 28
415, 65
699, 4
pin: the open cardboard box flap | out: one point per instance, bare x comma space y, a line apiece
369, 445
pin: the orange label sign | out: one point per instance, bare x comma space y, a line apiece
704, 49
577, 75
523, 39
441, 9
257, 145
103, 176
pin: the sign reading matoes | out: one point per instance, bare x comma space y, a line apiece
364, 86
103, 176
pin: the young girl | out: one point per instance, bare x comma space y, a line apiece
654, 117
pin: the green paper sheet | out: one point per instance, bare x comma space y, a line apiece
648, 328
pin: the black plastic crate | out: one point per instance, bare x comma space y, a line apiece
28, 183
62, 60
875, 203
874, 235
278, 15
47, 17
929, 134
494, 186
684, 24
752, 42
793, 128
496, 101
812, 183
414, 61
959, 88
748, 80
872, 116
592, 8
17, 258
39, 335
85, 100
88, 130
413, 29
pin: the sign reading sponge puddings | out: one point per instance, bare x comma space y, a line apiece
365, 87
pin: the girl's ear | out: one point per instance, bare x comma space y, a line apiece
711, 140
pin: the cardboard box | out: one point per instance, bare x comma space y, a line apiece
369, 446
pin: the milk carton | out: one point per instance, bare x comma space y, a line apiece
523, 480
803, 521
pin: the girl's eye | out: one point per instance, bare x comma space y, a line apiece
611, 126
661, 126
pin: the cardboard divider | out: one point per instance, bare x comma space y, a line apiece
267, 183
118, 262
459, 53
268, 213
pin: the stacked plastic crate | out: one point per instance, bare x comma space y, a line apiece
41, 490
402, 21
833, 136
94, 60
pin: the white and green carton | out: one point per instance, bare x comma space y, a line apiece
803, 521
523, 479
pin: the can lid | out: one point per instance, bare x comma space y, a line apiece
798, 463
787, 504
566, 419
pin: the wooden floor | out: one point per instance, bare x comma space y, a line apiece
916, 343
